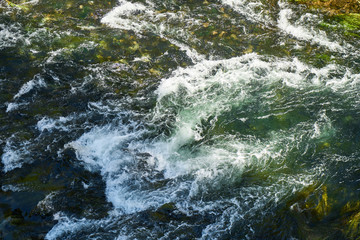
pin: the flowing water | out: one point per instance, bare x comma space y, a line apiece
148, 119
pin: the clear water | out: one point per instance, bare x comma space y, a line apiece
177, 120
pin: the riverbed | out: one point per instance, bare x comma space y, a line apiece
148, 119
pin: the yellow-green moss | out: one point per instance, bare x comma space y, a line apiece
323, 207
346, 13
23, 7
351, 213
349, 21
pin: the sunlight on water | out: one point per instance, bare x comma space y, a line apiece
178, 120
193, 169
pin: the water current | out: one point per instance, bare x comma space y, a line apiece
173, 119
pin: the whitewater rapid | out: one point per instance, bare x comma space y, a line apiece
213, 146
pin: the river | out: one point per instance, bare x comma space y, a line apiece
172, 119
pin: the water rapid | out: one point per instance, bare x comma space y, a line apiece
150, 119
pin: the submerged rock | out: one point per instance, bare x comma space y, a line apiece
347, 12
309, 214
167, 212
351, 214
334, 6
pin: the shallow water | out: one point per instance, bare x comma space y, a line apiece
178, 120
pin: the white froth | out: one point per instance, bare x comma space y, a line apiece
32, 2
37, 81
66, 226
118, 17
139, 18
11, 159
348, 81
13, 106
255, 11
197, 81
12, 188
322, 128
191, 95
46, 205
9, 35
50, 123
103, 148
54, 54
86, 186
98, 148
110, 151
302, 32
14, 155
208, 88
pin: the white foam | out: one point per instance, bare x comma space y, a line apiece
37, 81
139, 17
46, 205
323, 128
112, 152
14, 106
97, 147
86, 186
66, 226
302, 32
191, 167
10, 35
190, 96
11, 159
346, 83
12, 188
13, 155
54, 54
254, 11
118, 17
31, 2
204, 89
50, 123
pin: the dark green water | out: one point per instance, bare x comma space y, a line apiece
178, 120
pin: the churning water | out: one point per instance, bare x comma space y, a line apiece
178, 120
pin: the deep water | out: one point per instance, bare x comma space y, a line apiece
173, 119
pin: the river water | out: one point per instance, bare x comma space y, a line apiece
148, 119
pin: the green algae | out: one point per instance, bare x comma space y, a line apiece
349, 21
307, 214
324, 57
353, 227
323, 207
351, 219
340, 15
163, 213
20, 6
36, 181
349, 24
11, 4
318, 212
116, 51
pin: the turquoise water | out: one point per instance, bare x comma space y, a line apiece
178, 120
